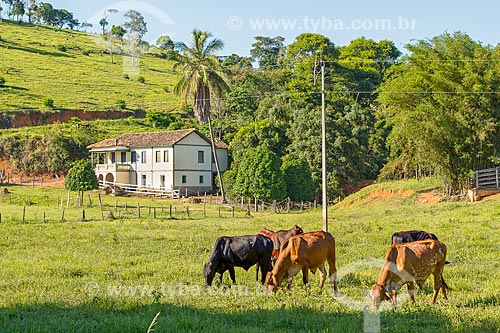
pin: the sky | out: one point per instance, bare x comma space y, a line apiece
238, 22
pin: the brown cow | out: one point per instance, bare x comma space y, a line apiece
279, 237
304, 252
408, 263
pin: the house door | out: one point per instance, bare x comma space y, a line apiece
162, 181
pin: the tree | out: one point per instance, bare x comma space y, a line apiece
438, 113
103, 23
86, 25
117, 31
17, 9
201, 75
81, 177
31, 10
299, 183
46, 13
62, 17
165, 43
136, 23
259, 175
267, 51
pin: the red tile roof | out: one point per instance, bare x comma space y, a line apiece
149, 139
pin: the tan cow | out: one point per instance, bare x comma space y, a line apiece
304, 252
408, 263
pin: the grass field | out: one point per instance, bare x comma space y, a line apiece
76, 72
116, 275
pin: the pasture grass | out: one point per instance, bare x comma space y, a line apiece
116, 275
79, 76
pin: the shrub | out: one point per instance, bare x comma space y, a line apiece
125, 76
2, 81
48, 102
141, 79
61, 48
120, 103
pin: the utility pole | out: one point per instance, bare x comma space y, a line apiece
324, 205
323, 149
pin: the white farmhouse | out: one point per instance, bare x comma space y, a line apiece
170, 160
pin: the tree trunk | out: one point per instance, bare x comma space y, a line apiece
214, 152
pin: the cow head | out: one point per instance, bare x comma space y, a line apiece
209, 273
297, 230
271, 283
379, 294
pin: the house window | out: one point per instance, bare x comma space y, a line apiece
124, 157
113, 157
143, 180
158, 156
184, 179
201, 156
133, 157
201, 179
143, 157
165, 156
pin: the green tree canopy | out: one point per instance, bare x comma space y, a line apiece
439, 110
267, 51
259, 175
81, 177
136, 23
299, 183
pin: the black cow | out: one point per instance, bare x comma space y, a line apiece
411, 236
238, 251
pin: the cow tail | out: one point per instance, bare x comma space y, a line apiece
445, 286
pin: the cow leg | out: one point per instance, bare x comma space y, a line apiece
322, 275
411, 291
220, 278
394, 297
232, 274
438, 283
257, 272
332, 271
305, 275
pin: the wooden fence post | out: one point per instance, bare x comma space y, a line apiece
24, 214
69, 198
44, 220
255, 205
83, 214
138, 210
90, 202
204, 210
187, 211
232, 211
170, 209
154, 212
62, 216
219, 211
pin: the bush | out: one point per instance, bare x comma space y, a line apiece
141, 79
125, 76
2, 81
61, 48
120, 103
47, 102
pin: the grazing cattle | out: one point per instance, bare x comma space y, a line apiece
238, 251
408, 263
411, 236
304, 252
279, 237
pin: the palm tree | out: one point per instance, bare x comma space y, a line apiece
202, 75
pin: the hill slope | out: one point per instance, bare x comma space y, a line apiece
75, 70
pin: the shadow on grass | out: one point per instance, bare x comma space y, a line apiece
113, 317
16, 46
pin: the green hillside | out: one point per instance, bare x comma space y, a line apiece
76, 72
